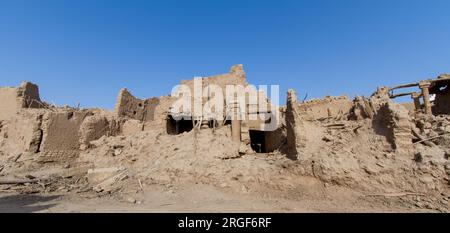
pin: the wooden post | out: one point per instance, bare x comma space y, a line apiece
416, 97
424, 86
235, 123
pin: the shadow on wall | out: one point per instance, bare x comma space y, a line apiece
26, 203
382, 124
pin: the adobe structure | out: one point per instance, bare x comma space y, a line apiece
368, 143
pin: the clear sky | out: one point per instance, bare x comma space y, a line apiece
86, 50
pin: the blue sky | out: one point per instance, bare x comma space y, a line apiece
86, 50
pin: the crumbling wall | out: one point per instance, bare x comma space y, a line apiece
330, 106
160, 113
129, 106
61, 132
401, 128
442, 103
95, 126
29, 95
23, 131
362, 109
367, 108
31, 125
294, 126
13, 99
150, 112
143, 114
131, 127
9, 105
21, 119
150, 109
236, 76
389, 119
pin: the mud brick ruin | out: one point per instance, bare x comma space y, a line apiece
368, 143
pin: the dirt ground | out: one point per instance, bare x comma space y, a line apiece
204, 198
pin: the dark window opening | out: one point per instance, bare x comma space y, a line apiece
258, 141
174, 127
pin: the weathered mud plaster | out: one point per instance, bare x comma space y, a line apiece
401, 129
294, 126
329, 107
24, 130
21, 116
96, 126
389, 119
14, 99
129, 106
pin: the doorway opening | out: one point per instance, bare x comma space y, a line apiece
174, 127
258, 141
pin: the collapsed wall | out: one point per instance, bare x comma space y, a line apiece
294, 126
16, 98
376, 148
157, 113
30, 125
401, 126
23, 131
129, 106
21, 117
389, 119
61, 133
392, 120
330, 106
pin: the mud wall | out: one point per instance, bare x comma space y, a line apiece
29, 95
9, 104
61, 132
24, 132
401, 128
295, 129
95, 126
143, 110
129, 106
327, 107
275, 139
236, 76
13, 99
159, 113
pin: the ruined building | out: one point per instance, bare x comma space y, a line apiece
371, 143
38, 127
35, 126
